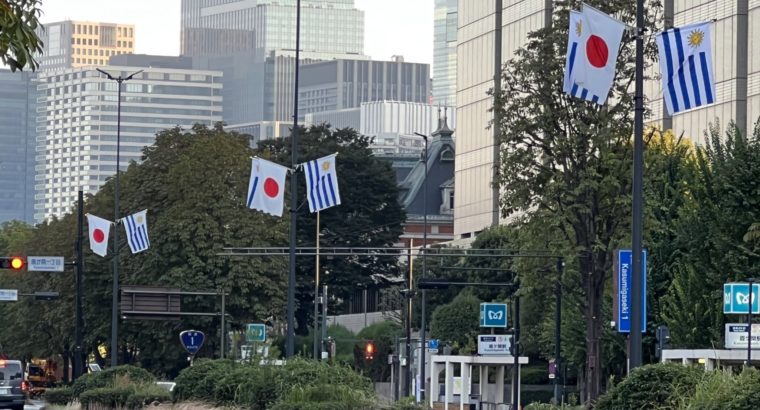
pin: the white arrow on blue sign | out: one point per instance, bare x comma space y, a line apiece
192, 340
493, 315
736, 298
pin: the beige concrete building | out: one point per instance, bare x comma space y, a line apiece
736, 62
481, 51
75, 44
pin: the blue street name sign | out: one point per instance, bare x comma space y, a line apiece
625, 277
256, 332
192, 340
736, 298
493, 315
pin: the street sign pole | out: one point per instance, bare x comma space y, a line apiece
749, 325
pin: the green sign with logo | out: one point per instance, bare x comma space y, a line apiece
256, 332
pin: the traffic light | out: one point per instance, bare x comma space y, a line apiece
663, 340
12, 262
369, 350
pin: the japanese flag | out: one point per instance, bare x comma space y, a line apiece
593, 44
99, 230
266, 188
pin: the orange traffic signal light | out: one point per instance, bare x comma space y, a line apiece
369, 350
14, 262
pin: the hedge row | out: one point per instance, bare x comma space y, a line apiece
254, 386
130, 397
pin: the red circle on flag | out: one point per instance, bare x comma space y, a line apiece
98, 235
271, 187
597, 51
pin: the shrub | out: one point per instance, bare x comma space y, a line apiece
719, 390
144, 395
198, 381
112, 397
62, 395
327, 397
652, 386
408, 403
105, 378
536, 396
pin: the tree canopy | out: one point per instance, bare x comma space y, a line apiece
19, 20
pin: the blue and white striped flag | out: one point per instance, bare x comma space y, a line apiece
321, 183
136, 226
686, 67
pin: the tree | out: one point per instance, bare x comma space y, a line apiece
19, 20
456, 322
369, 215
568, 160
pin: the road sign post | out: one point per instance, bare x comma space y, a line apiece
192, 340
736, 298
493, 315
256, 332
45, 263
624, 278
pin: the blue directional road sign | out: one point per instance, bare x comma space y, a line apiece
433, 344
736, 298
192, 340
256, 332
493, 315
625, 277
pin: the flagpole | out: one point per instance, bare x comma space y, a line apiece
290, 338
638, 197
316, 298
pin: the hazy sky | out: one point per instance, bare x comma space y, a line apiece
392, 27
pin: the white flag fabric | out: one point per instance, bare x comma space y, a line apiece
136, 227
99, 229
266, 188
592, 50
321, 183
686, 67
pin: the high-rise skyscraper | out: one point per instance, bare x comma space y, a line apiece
223, 26
18, 108
445, 52
253, 43
78, 119
72, 44
478, 47
737, 76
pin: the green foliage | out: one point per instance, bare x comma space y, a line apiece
199, 381
144, 395
106, 378
652, 386
112, 397
19, 20
259, 386
534, 375
719, 390
536, 396
60, 395
457, 322
547, 406
327, 397
383, 334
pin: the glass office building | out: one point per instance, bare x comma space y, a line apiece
445, 52
17, 145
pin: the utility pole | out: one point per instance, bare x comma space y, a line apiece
78, 356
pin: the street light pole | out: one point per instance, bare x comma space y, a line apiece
115, 296
290, 338
751, 281
424, 267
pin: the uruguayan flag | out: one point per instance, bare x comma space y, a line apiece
136, 226
321, 183
686, 67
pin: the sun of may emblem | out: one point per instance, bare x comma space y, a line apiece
695, 38
139, 219
326, 165
579, 28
